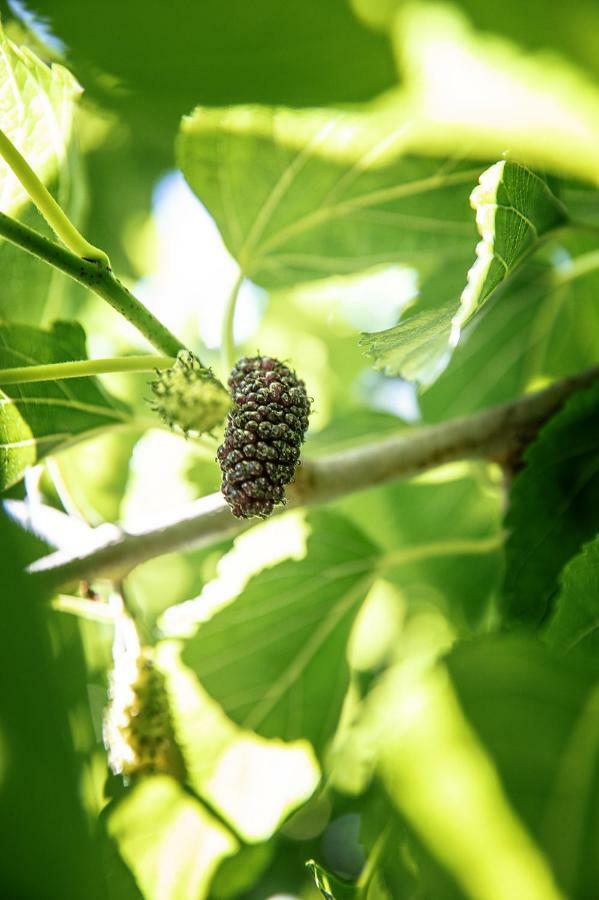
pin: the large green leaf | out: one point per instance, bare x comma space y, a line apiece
45, 726
536, 714
515, 210
171, 844
554, 505
441, 537
435, 745
575, 618
300, 52
299, 195
275, 657
474, 94
38, 418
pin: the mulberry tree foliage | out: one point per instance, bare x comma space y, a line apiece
388, 214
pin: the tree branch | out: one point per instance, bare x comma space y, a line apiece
498, 434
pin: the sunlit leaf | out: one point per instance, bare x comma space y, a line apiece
441, 539
429, 755
543, 323
36, 111
515, 210
299, 195
172, 845
275, 657
575, 618
536, 714
254, 783
553, 507
38, 418
480, 95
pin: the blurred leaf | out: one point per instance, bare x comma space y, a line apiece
37, 418
295, 53
554, 504
44, 729
576, 614
298, 195
545, 25
515, 210
355, 427
170, 843
542, 323
275, 657
441, 534
254, 783
536, 714
329, 886
430, 754
473, 93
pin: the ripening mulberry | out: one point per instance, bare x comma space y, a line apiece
138, 730
188, 397
264, 433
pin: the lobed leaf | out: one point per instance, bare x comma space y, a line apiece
275, 658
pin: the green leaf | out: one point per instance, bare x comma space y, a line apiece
543, 323
37, 419
330, 887
37, 106
298, 195
553, 507
576, 615
36, 113
515, 210
496, 97
275, 657
441, 535
145, 822
296, 54
536, 713
433, 748
45, 730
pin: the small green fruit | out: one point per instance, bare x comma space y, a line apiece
189, 397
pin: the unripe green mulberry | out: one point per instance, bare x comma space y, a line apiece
189, 397
264, 433
138, 731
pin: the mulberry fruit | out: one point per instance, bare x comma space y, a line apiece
138, 730
189, 397
264, 433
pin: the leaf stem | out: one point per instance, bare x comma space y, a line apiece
83, 368
96, 276
47, 205
228, 330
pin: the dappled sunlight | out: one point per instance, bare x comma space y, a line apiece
263, 546
179, 843
257, 783
440, 777
483, 95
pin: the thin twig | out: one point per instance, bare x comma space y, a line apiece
498, 434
